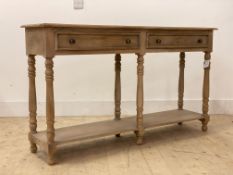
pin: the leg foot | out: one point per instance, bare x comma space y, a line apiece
33, 148
118, 135
204, 124
139, 140
50, 159
139, 137
204, 128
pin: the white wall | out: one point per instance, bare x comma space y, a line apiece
84, 84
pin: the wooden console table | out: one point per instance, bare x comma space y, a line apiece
50, 40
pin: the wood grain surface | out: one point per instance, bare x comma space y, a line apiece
111, 127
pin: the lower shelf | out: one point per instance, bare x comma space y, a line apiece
111, 127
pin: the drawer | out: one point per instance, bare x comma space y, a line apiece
177, 41
97, 41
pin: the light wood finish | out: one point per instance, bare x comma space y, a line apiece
140, 99
161, 41
111, 127
206, 84
50, 110
169, 150
181, 81
50, 40
96, 41
117, 92
32, 101
179, 40
118, 27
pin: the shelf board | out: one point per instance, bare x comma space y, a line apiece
111, 127
169, 117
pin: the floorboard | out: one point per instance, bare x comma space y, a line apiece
168, 150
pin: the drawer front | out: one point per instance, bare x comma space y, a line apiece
97, 41
180, 41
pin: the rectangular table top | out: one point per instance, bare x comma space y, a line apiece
56, 25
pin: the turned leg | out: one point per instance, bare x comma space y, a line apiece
140, 99
181, 82
50, 109
205, 98
117, 88
32, 101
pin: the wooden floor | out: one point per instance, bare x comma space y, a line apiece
169, 150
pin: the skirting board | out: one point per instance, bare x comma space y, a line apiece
82, 108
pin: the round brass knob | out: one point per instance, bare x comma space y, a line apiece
158, 41
72, 41
199, 41
128, 41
